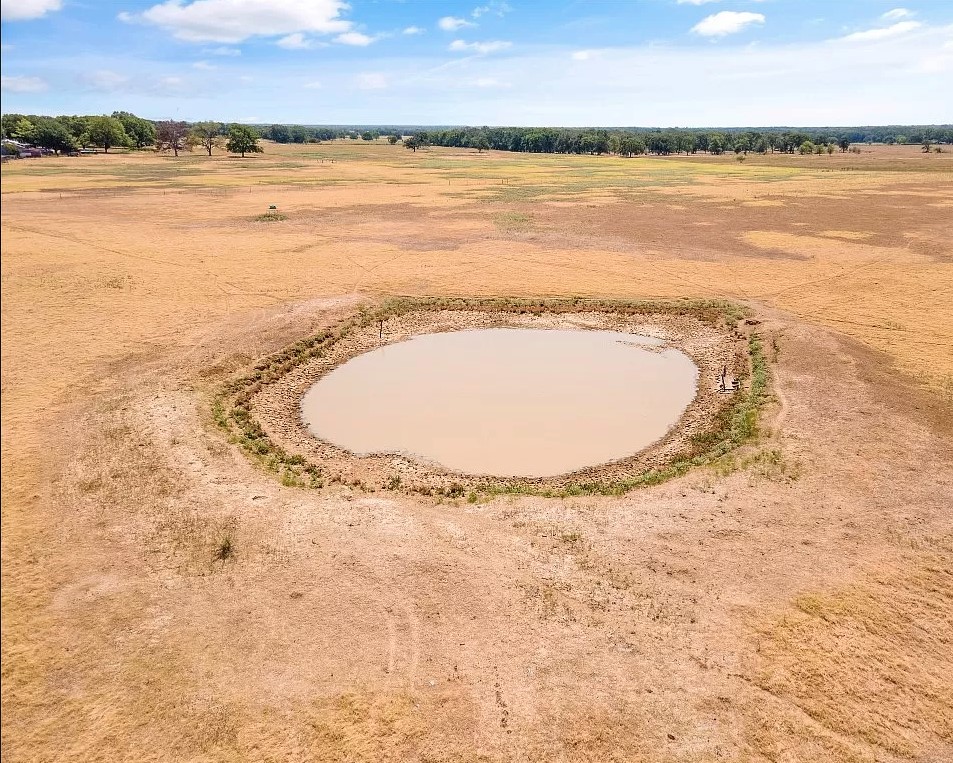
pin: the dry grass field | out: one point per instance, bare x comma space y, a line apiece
792, 603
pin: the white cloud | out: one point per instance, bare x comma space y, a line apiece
223, 50
872, 35
204, 66
105, 80
897, 13
703, 2
354, 38
21, 84
231, 21
494, 6
170, 83
414, 30
295, 41
897, 80
313, 85
482, 48
452, 23
109, 81
582, 55
768, 84
371, 81
726, 22
22, 10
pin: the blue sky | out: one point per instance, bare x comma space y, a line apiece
560, 62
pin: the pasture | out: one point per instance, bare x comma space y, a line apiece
166, 598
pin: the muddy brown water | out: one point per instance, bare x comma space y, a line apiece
505, 402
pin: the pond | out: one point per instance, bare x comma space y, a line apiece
503, 401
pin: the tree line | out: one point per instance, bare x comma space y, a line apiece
635, 141
306, 134
123, 129
65, 134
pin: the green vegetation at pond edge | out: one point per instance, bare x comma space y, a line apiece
735, 424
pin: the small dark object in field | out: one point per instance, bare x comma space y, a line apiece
226, 549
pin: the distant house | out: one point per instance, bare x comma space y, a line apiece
18, 150
10, 149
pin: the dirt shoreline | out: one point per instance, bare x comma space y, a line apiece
276, 406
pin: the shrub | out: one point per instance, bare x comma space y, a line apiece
271, 217
225, 549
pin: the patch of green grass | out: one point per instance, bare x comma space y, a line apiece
768, 464
513, 221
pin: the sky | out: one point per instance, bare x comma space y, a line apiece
665, 63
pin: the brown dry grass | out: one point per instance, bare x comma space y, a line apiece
792, 606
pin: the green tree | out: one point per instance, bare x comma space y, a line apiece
300, 134
278, 133
242, 140
685, 142
76, 126
630, 145
392, 139
412, 142
208, 135
106, 132
8, 124
481, 143
844, 144
806, 147
52, 134
141, 131
24, 131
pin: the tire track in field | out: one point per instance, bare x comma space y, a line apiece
824, 279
